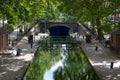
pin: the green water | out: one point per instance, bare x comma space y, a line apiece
49, 64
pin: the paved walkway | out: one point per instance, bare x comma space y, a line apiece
101, 60
12, 66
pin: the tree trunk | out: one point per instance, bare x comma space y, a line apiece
93, 26
99, 30
93, 22
100, 33
3, 23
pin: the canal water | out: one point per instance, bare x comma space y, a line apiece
49, 74
60, 62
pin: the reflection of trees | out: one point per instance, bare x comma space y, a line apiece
76, 67
43, 60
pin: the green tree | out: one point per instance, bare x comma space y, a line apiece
89, 10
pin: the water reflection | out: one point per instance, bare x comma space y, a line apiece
49, 74
60, 62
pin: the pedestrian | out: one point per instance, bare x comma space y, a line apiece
83, 36
18, 52
13, 43
21, 30
111, 66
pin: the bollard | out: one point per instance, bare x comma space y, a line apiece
31, 45
96, 48
111, 66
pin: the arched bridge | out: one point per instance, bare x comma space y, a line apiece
44, 26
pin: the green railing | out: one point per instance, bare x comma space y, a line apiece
61, 40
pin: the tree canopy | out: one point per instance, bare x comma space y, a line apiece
95, 11
20, 12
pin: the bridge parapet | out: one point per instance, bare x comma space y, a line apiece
45, 25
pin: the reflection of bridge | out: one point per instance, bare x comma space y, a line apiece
43, 26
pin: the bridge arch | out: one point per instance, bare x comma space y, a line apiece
59, 30
44, 26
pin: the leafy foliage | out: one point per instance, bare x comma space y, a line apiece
90, 10
20, 12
